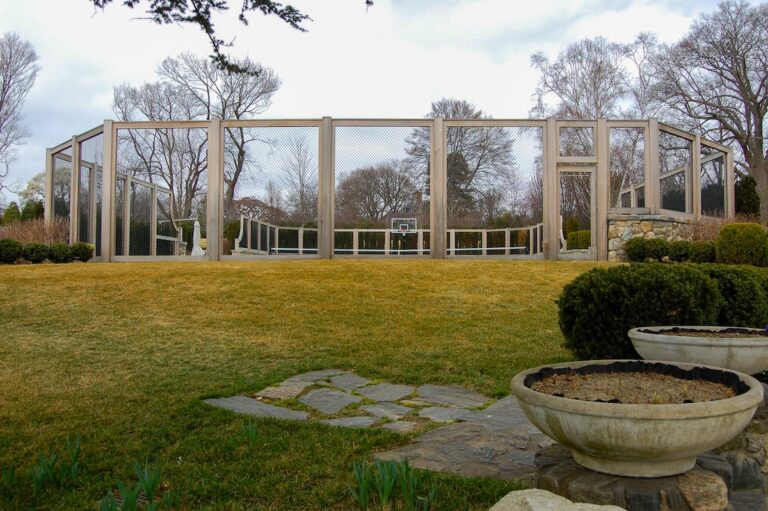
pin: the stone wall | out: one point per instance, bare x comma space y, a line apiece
622, 228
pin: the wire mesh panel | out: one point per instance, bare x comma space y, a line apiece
495, 189
119, 217
577, 142
89, 192
270, 190
84, 204
168, 236
62, 183
172, 160
674, 172
99, 192
576, 190
627, 167
382, 173
712, 181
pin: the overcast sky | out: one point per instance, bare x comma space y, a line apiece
390, 61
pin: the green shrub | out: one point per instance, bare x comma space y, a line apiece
680, 251
60, 253
579, 240
742, 244
10, 251
703, 252
598, 308
745, 295
635, 249
36, 252
656, 249
82, 251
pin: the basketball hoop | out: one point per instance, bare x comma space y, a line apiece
404, 225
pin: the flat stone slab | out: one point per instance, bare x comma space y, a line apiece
351, 422
387, 410
285, 390
443, 414
349, 381
314, 376
400, 426
328, 400
386, 391
474, 449
254, 407
446, 395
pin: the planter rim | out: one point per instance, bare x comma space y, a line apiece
671, 412
659, 335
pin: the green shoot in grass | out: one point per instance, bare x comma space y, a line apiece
362, 493
129, 496
108, 503
426, 502
149, 479
251, 431
69, 469
45, 471
409, 484
385, 480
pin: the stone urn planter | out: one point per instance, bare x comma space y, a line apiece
739, 349
639, 440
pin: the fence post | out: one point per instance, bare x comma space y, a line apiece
730, 185
420, 242
301, 241
387, 239
325, 219
696, 178
603, 190
49, 169
355, 241
551, 191
438, 210
108, 194
507, 239
484, 241
215, 200
652, 172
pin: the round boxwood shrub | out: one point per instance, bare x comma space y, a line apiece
598, 308
82, 251
579, 240
703, 252
60, 253
35, 252
635, 249
656, 249
10, 251
745, 302
680, 251
742, 244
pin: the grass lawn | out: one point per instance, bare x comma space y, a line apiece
122, 355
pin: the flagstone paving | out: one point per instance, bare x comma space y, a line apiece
474, 437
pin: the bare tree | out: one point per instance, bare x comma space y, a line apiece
715, 81
18, 70
478, 158
299, 168
192, 88
373, 193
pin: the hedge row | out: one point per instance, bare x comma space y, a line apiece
736, 244
579, 239
11, 251
598, 308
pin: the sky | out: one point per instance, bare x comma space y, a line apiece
390, 60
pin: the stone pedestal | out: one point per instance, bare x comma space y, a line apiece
704, 488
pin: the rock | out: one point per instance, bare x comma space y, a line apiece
747, 472
314, 376
458, 397
386, 392
254, 407
646, 226
442, 414
285, 390
328, 400
349, 381
351, 422
400, 426
387, 410
703, 490
748, 501
541, 500
717, 464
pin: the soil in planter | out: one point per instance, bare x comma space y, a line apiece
732, 333
631, 388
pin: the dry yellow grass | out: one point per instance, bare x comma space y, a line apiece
122, 354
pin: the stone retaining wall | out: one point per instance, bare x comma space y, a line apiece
622, 228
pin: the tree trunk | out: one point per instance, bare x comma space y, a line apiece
759, 171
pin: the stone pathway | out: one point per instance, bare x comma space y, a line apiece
474, 437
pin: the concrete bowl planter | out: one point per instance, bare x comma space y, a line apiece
637, 440
744, 354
